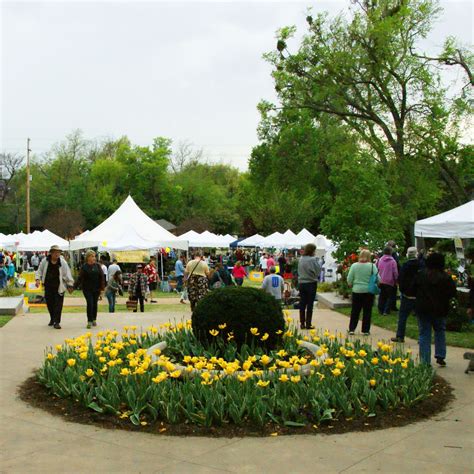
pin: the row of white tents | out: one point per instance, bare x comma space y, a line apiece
129, 228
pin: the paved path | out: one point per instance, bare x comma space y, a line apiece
34, 441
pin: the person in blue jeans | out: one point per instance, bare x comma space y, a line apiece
406, 282
114, 286
179, 272
434, 289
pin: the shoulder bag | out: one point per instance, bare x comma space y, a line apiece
373, 286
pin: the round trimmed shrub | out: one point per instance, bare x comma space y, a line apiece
240, 309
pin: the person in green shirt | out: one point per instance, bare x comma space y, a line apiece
358, 279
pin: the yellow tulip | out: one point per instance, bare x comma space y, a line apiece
295, 378
125, 372
336, 372
358, 361
374, 361
214, 332
71, 362
329, 361
247, 364
340, 365
89, 372
59, 347
283, 378
160, 377
242, 378
265, 360
222, 326
372, 382
254, 331
265, 337
315, 363
262, 383
50, 356
176, 374
83, 355
362, 353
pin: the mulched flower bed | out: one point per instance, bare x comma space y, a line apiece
38, 396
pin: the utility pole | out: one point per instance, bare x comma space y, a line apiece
28, 186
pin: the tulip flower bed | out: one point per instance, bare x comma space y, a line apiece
218, 385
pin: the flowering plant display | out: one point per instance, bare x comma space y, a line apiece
219, 383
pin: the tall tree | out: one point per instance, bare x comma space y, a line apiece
369, 73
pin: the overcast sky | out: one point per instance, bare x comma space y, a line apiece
185, 70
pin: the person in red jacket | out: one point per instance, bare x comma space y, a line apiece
239, 273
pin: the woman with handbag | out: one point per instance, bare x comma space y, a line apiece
197, 282
363, 279
137, 288
113, 287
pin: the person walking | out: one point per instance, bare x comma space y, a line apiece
239, 273
434, 289
179, 273
196, 276
92, 282
35, 261
3, 276
55, 275
113, 268
270, 263
151, 272
137, 287
274, 284
263, 263
358, 279
308, 275
114, 287
396, 257
282, 263
406, 282
388, 275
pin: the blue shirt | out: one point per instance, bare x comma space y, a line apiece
179, 268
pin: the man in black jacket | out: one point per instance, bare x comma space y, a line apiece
406, 281
434, 289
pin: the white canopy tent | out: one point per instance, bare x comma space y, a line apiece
207, 239
39, 241
126, 229
458, 222
273, 240
253, 241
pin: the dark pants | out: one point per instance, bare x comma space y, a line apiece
307, 297
393, 299
179, 286
425, 323
364, 302
141, 299
92, 297
385, 298
54, 302
407, 306
239, 281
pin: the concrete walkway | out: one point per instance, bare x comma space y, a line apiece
34, 441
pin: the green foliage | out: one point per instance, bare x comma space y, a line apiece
239, 310
114, 375
382, 132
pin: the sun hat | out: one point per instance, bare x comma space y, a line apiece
412, 252
55, 247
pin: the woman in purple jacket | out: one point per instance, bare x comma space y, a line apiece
388, 275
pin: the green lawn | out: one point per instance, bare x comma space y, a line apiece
459, 339
4, 320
